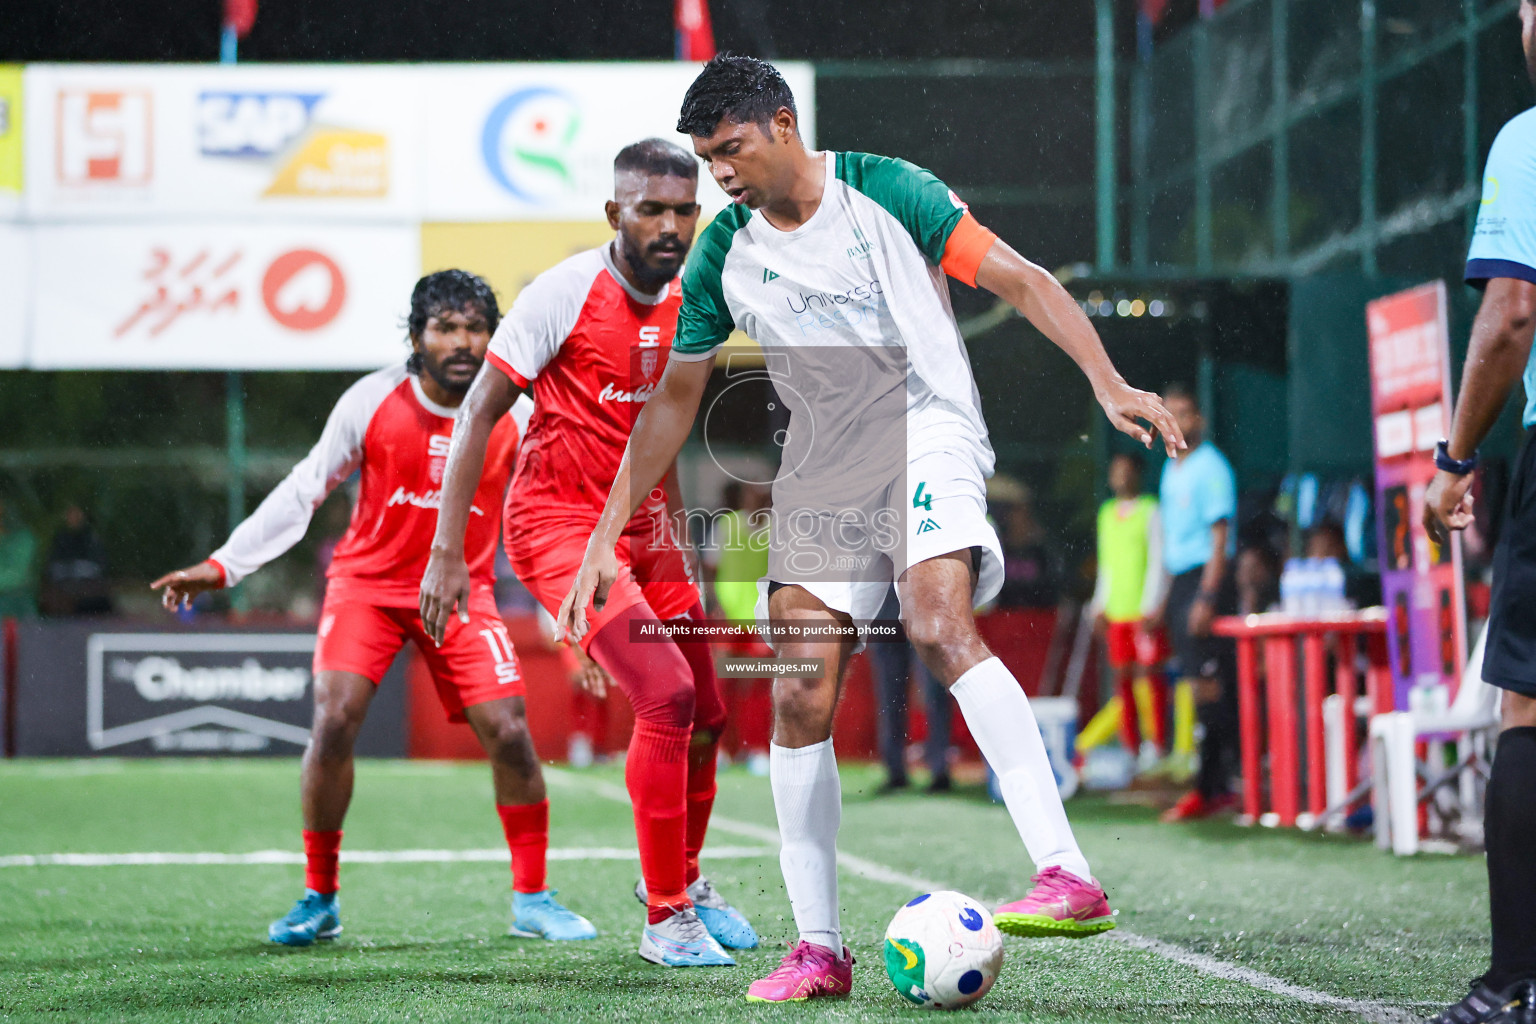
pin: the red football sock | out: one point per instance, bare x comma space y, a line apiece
702, 757
527, 830
1159, 683
656, 773
703, 747
1130, 730
321, 852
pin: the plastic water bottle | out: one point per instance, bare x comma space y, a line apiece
1332, 578
1311, 591
1290, 587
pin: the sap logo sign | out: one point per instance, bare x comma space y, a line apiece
252, 124
438, 445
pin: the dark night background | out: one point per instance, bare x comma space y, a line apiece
446, 30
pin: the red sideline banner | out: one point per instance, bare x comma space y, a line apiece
1421, 581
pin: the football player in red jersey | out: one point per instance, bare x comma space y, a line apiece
589, 338
393, 427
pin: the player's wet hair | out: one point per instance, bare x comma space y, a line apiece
448, 291
656, 157
741, 89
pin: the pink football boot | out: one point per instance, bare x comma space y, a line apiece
808, 971
1061, 904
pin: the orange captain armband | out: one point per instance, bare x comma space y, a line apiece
968, 245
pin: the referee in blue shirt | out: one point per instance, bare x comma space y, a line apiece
1502, 262
1197, 499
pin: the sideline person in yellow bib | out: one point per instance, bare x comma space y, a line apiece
1127, 595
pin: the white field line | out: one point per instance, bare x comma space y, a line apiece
1375, 1013
497, 855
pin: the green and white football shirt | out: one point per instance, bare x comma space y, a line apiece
865, 272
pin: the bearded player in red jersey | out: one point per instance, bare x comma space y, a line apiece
394, 426
589, 338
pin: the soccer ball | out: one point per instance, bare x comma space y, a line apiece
942, 951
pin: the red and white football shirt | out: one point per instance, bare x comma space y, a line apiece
591, 349
385, 426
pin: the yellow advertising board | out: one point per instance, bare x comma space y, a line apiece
10, 134
508, 254
512, 253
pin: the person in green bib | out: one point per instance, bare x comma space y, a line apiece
1127, 595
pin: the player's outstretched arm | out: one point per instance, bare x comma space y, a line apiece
179, 588
283, 515
659, 433
1042, 301
445, 585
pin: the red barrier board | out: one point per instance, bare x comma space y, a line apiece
1421, 581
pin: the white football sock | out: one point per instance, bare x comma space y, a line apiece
999, 717
808, 799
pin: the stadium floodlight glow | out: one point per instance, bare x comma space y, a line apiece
1156, 307
1123, 307
1138, 307
1106, 308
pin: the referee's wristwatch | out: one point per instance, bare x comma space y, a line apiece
1459, 467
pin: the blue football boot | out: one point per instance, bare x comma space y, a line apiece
682, 941
315, 917
726, 924
536, 915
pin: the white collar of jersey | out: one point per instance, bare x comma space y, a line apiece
829, 162
634, 293
427, 403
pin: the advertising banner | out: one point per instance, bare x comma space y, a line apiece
1421, 581
116, 689
12, 116
537, 141
15, 292
223, 141
220, 296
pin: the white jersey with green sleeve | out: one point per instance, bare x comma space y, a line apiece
866, 271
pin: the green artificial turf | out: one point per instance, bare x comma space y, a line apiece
425, 942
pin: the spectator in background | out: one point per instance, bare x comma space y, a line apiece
1198, 498
1258, 579
894, 663
1125, 599
76, 574
17, 548
1031, 571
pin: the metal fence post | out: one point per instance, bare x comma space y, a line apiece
1106, 163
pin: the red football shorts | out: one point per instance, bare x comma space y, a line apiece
1129, 645
474, 665
652, 570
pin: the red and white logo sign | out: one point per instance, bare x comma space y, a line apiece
104, 137
224, 296
303, 290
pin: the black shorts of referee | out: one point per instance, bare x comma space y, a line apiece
1509, 661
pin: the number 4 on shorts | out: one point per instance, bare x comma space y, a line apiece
921, 500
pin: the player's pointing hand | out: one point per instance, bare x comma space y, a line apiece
181, 586
1139, 413
598, 571
444, 588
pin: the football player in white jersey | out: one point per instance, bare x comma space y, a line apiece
835, 264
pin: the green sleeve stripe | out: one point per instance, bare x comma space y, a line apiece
921, 202
704, 321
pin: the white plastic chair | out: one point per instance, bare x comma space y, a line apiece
1472, 718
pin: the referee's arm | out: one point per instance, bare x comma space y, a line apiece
1497, 354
